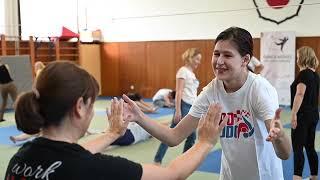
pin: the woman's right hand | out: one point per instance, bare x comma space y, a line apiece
131, 110
210, 127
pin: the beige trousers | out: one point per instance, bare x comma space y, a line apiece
6, 90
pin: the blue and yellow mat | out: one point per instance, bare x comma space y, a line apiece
144, 152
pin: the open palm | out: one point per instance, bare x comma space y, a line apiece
131, 110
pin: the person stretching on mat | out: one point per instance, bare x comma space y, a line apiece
144, 106
64, 118
134, 134
164, 98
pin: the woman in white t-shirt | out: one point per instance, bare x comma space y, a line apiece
253, 142
164, 98
186, 93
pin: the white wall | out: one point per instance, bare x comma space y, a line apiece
148, 20
2, 24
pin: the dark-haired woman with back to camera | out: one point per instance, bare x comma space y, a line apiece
61, 105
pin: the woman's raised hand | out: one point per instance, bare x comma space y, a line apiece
131, 110
117, 123
210, 125
276, 128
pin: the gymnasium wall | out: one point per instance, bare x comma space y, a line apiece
145, 38
151, 65
161, 20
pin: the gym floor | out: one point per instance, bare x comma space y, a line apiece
142, 152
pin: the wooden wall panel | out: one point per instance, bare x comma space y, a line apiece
133, 69
149, 66
256, 48
160, 67
110, 69
207, 64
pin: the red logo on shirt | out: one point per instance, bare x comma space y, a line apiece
239, 125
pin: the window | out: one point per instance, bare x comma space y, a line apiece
43, 18
2, 16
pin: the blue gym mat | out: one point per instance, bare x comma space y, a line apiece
213, 161
8, 131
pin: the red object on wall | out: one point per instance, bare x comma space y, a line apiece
277, 4
67, 34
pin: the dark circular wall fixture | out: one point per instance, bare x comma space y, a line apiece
277, 4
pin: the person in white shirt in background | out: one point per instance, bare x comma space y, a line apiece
255, 65
164, 98
186, 86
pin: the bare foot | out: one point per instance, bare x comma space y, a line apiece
157, 163
13, 139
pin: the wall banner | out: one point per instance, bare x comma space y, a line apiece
278, 51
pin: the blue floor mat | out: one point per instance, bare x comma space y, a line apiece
213, 161
8, 131
161, 112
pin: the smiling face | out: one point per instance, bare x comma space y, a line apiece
227, 63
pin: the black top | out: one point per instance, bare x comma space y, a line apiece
4, 75
55, 160
310, 99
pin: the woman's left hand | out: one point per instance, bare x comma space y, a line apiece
276, 128
117, 124
294, 120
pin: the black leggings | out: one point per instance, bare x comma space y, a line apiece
124, 140
303, 137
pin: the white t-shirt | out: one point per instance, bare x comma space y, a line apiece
191, 84
245, 152
161, 94
138, 132
253, 63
